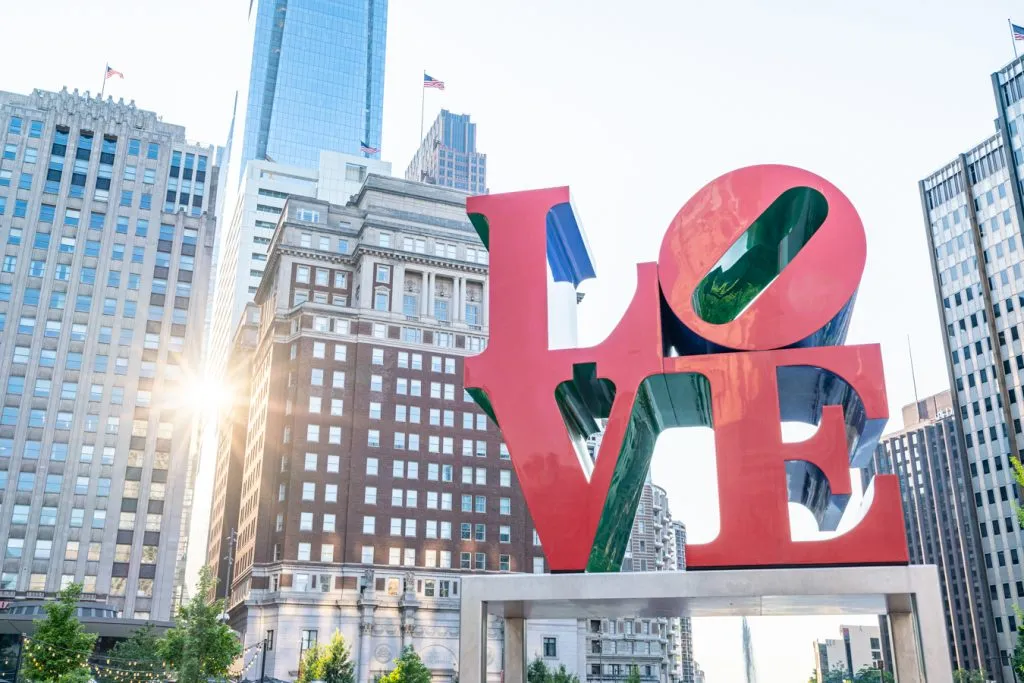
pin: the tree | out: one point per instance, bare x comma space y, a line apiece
60, 649
562, 675
868, 674
537, 672
634, 674
138, 654
968, 676
200, 647
1017, 659
409, 668
331, 663
836, 675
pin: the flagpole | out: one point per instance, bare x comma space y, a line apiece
1013, 37
103, 89
423, 99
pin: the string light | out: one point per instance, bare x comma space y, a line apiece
120, 675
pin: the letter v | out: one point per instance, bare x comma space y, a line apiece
516, 377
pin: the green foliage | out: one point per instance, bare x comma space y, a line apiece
836, 675
140, 654
409, 668
562, 675
634, 674
331, 663
60, 649
1017, 659
537, 672
200, 647
869, 674
968, 676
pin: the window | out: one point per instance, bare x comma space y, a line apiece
550, 647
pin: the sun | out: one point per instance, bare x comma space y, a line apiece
200, 394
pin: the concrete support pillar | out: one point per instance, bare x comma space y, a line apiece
515, 650
472, 642
905, 648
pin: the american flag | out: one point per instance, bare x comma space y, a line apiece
1018, 32
366, 149
431, 82
113, 72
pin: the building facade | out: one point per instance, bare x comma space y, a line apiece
858, 647
315, 81
927, 457
687, 673
370, 482
972, 211
447, 156
242, 257
108, 238
231, 435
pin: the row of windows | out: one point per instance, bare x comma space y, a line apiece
411, 442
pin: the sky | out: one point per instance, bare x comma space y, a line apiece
635, 106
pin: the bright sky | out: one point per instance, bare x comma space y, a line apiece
635, 106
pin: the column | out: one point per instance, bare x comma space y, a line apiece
397, 287
460, 300
366, 277
425, 292
365, 636
485, 312
430, 294
515, 650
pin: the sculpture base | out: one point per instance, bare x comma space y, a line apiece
908, 595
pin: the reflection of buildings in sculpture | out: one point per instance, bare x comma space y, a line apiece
972, 208
860, 647
926, 455
749, 668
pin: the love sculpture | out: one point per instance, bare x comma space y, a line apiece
737, 327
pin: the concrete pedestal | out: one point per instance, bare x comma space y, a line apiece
910, 596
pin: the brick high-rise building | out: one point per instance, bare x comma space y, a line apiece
927, 457
370, 481
106, 217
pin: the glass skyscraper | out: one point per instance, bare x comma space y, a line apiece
448, 157
316, 80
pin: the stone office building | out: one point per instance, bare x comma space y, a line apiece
369, 482
107, 241
941, 527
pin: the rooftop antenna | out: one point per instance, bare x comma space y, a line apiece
913, 375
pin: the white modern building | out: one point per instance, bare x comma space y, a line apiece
858, 647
